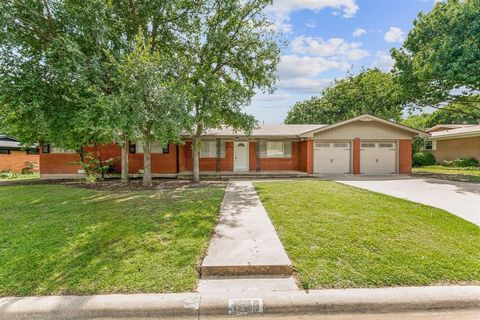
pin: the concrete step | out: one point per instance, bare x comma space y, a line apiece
221, 271
246, 285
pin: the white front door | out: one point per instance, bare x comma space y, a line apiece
240, 150
378, 157
331, 157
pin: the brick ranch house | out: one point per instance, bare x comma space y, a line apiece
454, 141
15, 158
361, 145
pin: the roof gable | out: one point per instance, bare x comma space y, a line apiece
367, 117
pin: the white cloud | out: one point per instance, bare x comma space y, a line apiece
394, 34
294, 66
304, 85
280, 10
383, 62
359, 32
335, 48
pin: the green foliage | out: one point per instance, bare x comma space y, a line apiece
421, 159
440, 58
342, 237
60, 240
372, 91
461, 163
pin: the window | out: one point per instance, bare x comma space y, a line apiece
132, 148
60, 150
322, 145
46, 148
368, 145
166, 149
4, 151
155, 147
340, 145
209, 149
275, 149
385, 145
430, 145
32, 151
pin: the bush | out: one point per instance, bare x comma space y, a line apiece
6, 174
421, 159
461, 163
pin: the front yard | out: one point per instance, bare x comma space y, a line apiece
57, 239
461, 174
339, 237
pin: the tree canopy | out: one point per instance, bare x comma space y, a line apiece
439, 62
371, 91
229, 54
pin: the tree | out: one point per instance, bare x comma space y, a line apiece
157, 112
227, 56
439, 62
446, 115
56, 65
371, 91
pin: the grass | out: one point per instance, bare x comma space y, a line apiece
469, 174
340, 237
57, 240
18, 176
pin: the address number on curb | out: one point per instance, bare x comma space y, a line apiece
245, 306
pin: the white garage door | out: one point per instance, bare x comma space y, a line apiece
378, 157
331, 157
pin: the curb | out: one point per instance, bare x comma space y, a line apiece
194, 305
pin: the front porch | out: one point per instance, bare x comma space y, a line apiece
245, 174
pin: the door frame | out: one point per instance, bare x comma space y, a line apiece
247, 156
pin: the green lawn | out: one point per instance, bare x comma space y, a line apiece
58, 239
469, 174
339, 237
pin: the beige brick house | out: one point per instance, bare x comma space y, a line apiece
449, 142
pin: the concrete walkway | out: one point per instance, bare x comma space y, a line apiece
245, 242
460, 198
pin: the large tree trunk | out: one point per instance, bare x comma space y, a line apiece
125, 147
196, 159
147, 165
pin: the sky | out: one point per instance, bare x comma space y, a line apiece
326, 40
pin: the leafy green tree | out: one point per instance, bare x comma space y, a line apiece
227, 56
371, 91
56, 66
156, 112
439, 62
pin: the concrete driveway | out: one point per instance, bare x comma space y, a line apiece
460, 198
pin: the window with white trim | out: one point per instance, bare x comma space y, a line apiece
319, 145
155, 147
209, 149
368, 145
275, 149
430, 145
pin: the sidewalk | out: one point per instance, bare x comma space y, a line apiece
463, 301
245, 242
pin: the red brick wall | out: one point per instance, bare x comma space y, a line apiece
161, 163
356, 156
405, 156
306, 156
252, 156
210, 164
62, 163
283, 163
17, 160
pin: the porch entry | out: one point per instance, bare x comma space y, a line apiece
241, 152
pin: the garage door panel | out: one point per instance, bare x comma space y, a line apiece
378, 157
332, 157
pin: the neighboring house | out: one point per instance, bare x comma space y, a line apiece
362, 145
449, 142
15, 158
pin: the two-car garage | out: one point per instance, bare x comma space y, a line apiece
363, 145
376, 157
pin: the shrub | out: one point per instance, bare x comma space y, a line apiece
421, 159
6, 174
461, 163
